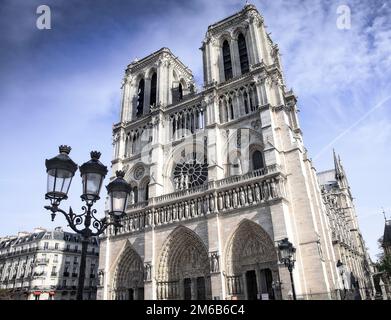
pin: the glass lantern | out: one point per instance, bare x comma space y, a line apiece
60, 171
92, 173
287, 253
118, 192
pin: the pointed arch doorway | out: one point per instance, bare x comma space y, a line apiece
183, 272
128, 282
251, 263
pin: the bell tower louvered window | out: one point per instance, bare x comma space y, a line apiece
153, 89
244, 66
227, 61
258, 160
140, 100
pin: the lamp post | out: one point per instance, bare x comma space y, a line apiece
287, 255
341, 269
61, 170
276, 285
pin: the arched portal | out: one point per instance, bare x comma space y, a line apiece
128, 282
183, 271
251, 263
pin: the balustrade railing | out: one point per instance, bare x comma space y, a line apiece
234, 285
138, 205
168, 290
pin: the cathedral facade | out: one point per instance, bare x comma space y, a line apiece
218, 178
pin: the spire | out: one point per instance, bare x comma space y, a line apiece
387, 233
384, 214
337, 166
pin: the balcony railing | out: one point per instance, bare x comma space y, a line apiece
39, 274
41, 261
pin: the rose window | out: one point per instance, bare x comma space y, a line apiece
190, 173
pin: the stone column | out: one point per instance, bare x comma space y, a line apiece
254, 44
264, 43
194, 288
236, 71
147, 95
258, 273
244, 288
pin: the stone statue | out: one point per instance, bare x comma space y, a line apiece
131, 197
101, 275
205, 204
265, 190
148, 272
235, 199
177, 183
175, 212
182, 183
250, 194
214, 262
180, 211
257, 193
227, 201
211, 203
186, 182
186, 210
192, 209
242, 197
220, 201
199, 205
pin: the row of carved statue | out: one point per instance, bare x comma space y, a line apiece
235, 198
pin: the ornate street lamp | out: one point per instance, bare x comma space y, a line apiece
287, 256
61, 170
341, 268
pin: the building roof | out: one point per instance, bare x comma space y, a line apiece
56, 234
139, 63
326, 177
246, 8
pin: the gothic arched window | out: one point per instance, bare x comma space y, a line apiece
153, 89
140, 100
135, 195
245, 99
231, 109
244, 66
180, 92
227, 61
147, 192
257, 160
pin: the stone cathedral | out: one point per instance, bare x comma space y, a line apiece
219, 177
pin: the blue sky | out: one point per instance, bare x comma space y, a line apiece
62, 86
